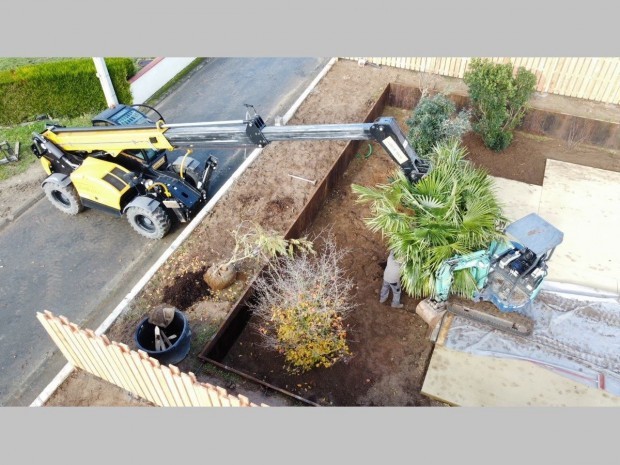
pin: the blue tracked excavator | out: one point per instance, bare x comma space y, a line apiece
508, 274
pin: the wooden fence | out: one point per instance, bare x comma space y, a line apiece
135, 371
589, 78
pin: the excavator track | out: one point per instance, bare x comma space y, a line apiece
487, 313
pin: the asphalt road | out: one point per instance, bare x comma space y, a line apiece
81, 267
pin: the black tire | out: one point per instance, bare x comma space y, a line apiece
151, 224
65, 198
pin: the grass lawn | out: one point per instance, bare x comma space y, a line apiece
23, 134
7, 63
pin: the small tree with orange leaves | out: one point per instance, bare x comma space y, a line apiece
302, 303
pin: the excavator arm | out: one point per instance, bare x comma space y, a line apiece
477, 263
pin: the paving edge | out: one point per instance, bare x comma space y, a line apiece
68, 368
4, 222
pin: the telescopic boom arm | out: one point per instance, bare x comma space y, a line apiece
252, 132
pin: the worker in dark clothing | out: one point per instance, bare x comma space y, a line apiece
391, 280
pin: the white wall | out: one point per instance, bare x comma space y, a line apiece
156, 77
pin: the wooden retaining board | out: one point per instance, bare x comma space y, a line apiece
467, 380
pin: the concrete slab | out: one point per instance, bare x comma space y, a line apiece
517, 198
468, 380
583, 203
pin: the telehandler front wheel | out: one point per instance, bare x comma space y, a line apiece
65, 198
152, 224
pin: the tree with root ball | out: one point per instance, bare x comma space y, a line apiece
252, 242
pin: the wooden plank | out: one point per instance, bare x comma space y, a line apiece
596, 90
588, 78
561, 76
456, 66
103, 359
550, 73
157, 380
422, 64
190, 387
567, 74
204, 399
441, 66
70, 336
172, 387
65, 335
464, 379
213, 395
463, 68
606, 82
611, 92
149, 381
133, 369
541, 68
44, 319
593, 75
435, 65
444, 329
223, 396
538, 71
585, 91
176, 376
84, 341
577, 76
122, 362
119, 367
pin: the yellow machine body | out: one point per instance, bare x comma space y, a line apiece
112, 140
47, 165
101, 182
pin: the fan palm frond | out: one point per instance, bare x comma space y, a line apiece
452, 211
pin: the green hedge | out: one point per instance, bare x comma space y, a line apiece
60, 89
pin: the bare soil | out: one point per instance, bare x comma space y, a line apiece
390, 348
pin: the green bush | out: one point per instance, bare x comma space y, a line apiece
432, 121
452, 211
499, 99
60, 89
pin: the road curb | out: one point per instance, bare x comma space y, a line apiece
4, 222
49, 390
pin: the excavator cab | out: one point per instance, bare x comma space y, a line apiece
516, 273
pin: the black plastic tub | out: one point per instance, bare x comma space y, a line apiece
144, 338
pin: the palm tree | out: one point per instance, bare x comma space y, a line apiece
452, 211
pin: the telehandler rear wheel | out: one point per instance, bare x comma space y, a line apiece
152, 224
65, 198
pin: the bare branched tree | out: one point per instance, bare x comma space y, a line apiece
577, 133
302, 301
